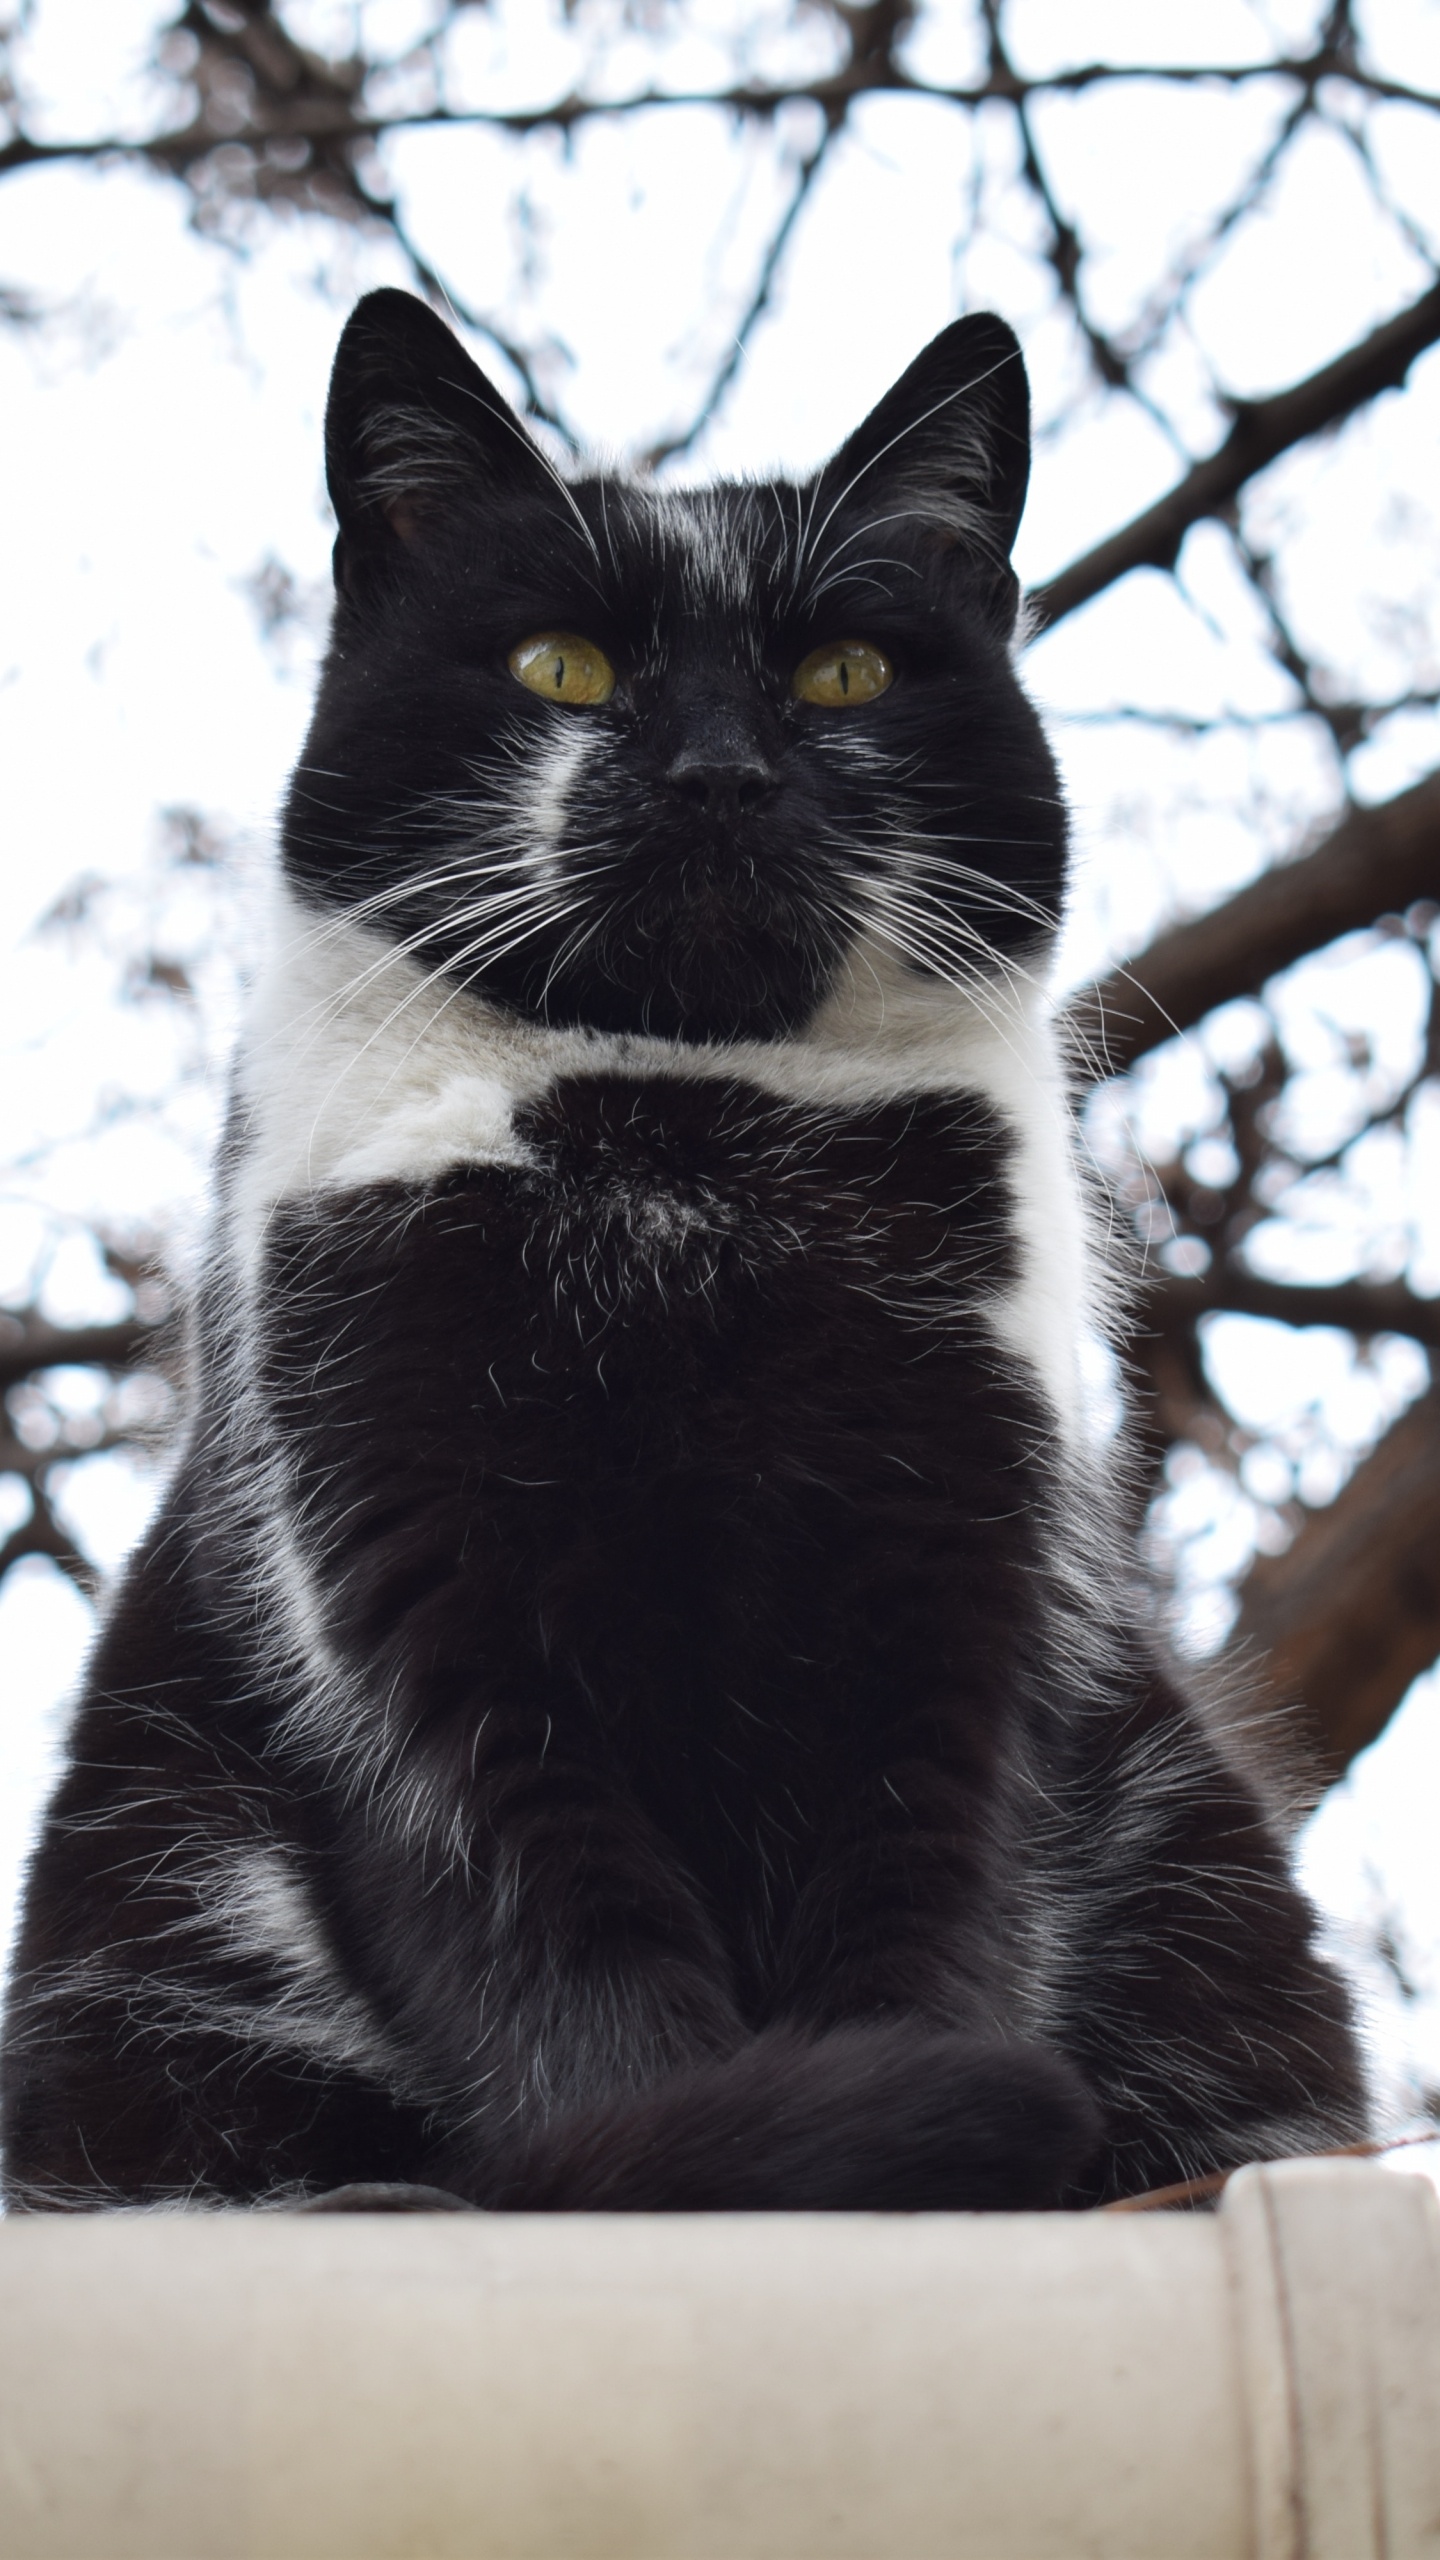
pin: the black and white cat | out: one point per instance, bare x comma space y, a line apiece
636, 1695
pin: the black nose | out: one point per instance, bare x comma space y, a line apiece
720, 773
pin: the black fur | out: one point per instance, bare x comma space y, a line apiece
630, 1701
731, 849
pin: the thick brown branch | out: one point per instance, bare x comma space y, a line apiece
1378, 861
1363, 1307
27, 1345
17, 1458
1350, 1615
1263, 430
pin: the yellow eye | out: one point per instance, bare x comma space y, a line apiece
844, 672
563, 667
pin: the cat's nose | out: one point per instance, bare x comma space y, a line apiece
722, 771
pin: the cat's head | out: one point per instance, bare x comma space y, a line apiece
653, 759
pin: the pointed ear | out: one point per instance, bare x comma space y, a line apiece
410, 421
949, 445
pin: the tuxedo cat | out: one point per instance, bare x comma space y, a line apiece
637, 1696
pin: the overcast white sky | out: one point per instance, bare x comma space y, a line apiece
161, 439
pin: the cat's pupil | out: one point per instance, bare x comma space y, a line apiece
844, 675
559, 675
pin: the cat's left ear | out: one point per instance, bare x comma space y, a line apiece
410, 423
950, 445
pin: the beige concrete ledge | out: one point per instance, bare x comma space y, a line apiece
1261, 2384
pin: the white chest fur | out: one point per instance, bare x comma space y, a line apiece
357, 1068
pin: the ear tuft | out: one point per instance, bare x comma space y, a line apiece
411, 421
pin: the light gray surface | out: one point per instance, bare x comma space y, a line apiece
1263, 2384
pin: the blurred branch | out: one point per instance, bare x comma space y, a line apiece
1348, 722
29, 1347
1378, 861
1065, 252
1361, 1307
42, 1535
265, 116
249, 78
1263, 430
17, 1458
806, 176
297, 94
1350, 1614
28, 1344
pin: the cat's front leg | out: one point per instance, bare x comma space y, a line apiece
901, 1911
533, 1942
565, 1981
1192, 1987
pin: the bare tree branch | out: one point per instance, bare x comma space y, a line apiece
41, 1535
310, 98
1361, 1307
1378, 861
806, 176
1065, 252
297, 97
1350, 1614
28, 1344
1263, 430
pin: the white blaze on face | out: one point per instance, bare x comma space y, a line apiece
545, 801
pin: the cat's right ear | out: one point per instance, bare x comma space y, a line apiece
411, 421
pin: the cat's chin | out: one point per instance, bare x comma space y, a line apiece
697, 986
690, 1003
701, 1015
